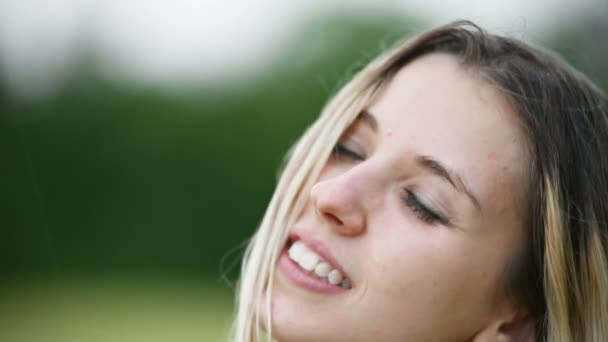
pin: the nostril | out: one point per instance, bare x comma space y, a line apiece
333, 219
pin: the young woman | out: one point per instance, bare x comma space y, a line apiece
454, 190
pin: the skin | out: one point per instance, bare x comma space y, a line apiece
416, 279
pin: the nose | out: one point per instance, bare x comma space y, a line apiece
338, 201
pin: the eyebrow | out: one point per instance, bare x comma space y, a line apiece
437, 168
368, 118
427, 162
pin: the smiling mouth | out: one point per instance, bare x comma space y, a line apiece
312, 263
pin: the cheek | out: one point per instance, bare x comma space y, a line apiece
426, 277
405, 269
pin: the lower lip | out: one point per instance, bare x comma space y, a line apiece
305, 279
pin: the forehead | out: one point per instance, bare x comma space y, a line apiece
434, 106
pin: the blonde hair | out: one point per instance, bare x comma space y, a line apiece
564, 277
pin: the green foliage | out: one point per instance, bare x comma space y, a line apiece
111, 309
583, 43
105, 177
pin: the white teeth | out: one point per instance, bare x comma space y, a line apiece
297, 249
322, 269
309, 260
303, 256
334, 277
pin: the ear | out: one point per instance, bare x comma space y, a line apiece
510, 327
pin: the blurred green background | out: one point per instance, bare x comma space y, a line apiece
125, 205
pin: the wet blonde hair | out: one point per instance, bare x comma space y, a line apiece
561, 276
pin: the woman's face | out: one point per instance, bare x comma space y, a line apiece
420, 210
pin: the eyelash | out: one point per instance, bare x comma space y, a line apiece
342, 151
409, 199
423, 212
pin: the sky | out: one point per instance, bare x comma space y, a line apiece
177, 42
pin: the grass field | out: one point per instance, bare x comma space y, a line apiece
114, 310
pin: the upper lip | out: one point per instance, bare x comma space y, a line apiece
321, 249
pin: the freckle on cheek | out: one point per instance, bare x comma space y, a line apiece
376, 261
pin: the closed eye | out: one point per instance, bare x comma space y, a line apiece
422, 211
340, 150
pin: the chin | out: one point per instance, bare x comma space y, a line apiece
301, 316
308, 304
